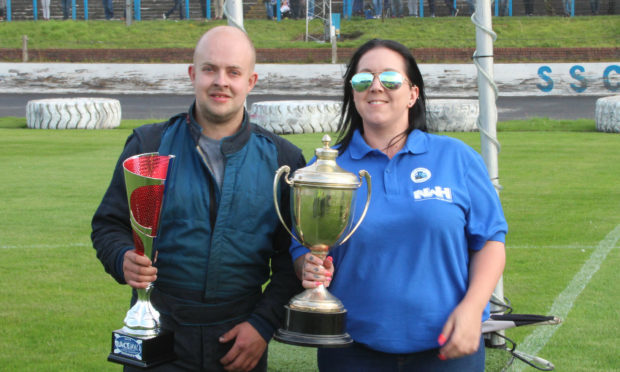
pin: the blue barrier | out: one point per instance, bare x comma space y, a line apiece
336, 24
137, 14
347, 8
35, 11
208, 9
86, 10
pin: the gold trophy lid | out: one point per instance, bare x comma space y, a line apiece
325, 172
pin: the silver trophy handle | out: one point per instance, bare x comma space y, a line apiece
283, 169
366, 175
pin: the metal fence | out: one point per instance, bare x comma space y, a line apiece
153, 9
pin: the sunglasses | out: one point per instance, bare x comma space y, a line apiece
391, 80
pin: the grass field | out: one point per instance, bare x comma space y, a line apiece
443, 32
560, 196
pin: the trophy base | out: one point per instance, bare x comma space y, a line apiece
314, 329
142, 352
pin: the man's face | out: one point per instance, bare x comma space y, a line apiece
222, 76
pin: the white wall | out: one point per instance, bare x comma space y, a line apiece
524, 79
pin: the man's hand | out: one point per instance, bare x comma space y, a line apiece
138, 270
247, 350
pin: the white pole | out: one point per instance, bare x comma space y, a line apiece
128, 10
233, 10
332, 37
307, 19
487, 121
486, 94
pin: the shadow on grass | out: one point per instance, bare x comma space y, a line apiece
530, 125
11, 122
547, 125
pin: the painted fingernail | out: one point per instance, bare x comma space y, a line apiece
441, 339
441, 356
328, 274
317, 283
330, 258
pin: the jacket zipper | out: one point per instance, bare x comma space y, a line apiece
212, 199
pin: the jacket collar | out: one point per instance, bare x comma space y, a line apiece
230, 144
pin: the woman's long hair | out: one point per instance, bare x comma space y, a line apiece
350, 119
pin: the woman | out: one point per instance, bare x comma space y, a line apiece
417, 275
45, 7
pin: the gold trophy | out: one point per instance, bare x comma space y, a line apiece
141, 342
322, 209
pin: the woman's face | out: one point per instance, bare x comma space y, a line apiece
379, 107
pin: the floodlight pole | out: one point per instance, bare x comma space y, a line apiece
487, 120
233, 10
128, 11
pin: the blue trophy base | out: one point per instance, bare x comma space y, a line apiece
142, 352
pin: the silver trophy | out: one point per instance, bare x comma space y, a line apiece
322, 209
141, 342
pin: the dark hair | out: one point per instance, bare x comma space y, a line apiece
350, 119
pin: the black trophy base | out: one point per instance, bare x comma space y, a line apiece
314, 329
142, 352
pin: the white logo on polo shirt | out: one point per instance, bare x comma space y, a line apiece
438, 193
420, 175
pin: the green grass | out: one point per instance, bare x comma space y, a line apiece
560, 196
445, 32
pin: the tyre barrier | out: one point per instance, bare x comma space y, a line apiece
607, 114
452, 115
296, 117
73, 113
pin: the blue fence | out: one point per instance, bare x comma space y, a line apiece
499, 8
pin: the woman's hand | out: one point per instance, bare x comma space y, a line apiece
312, 270
461, 333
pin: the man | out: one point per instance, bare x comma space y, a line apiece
219, 229
108, 9
66, 8
219, 9
177, 4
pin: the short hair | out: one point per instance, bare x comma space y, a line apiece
224, 27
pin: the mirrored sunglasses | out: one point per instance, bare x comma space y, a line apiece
391, 80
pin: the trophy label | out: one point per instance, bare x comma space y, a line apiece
128, 346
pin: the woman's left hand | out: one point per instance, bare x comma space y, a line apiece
461, 333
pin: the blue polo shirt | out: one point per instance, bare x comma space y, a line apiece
406, 268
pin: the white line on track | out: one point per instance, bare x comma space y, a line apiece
565, 300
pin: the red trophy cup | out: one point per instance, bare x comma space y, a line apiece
141, 342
